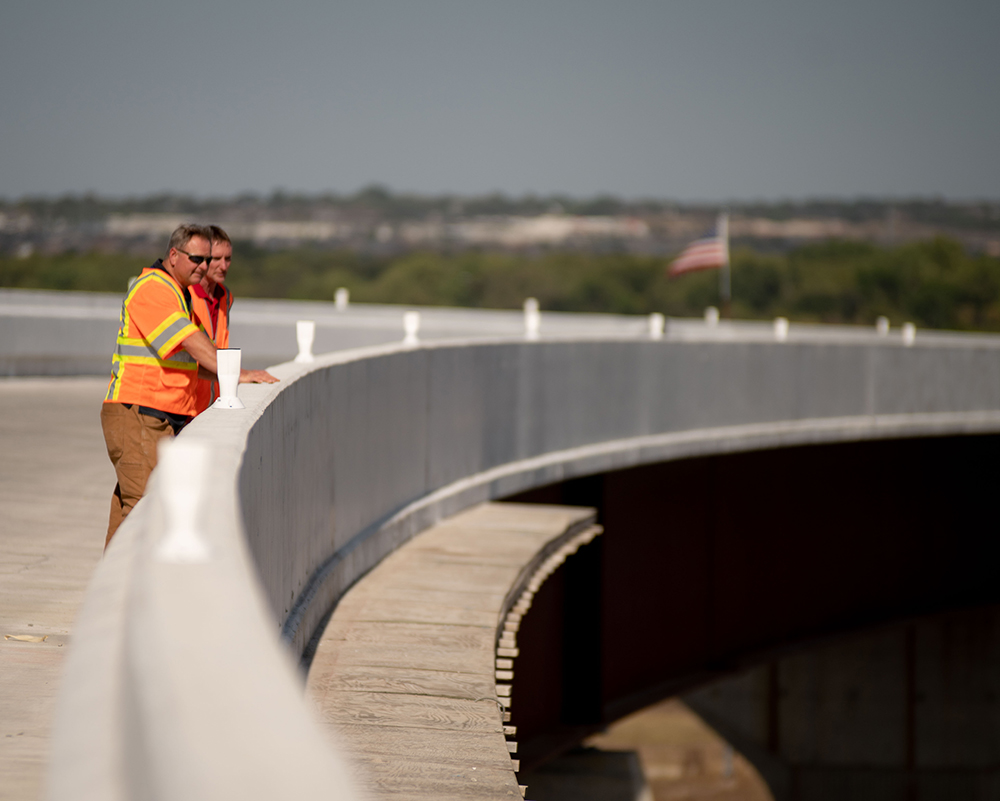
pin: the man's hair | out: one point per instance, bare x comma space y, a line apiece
218, 235
185, 233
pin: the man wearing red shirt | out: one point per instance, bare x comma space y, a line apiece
211, 301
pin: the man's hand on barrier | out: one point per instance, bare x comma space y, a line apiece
257, 377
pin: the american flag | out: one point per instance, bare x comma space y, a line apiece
707, 253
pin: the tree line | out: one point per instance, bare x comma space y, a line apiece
935, 284
384, 204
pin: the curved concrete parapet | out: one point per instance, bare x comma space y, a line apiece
176, 686
176, 682
408, 437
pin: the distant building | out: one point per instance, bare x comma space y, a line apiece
544, 229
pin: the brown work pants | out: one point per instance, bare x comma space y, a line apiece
131, 438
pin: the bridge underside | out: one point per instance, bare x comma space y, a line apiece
714, 565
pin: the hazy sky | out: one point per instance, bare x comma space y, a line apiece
692, 100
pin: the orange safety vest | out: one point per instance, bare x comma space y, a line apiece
208, 390
149, 367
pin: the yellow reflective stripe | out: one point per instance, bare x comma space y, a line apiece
131, 346
171, 332
143, 351
182, 334
158, 276
167, 322
135, 347
142, 279
115, 384
123, 318
166, 363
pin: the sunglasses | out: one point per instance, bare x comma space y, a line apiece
196, 259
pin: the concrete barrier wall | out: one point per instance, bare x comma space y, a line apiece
361, 452
176, 685
325, 473
57, 333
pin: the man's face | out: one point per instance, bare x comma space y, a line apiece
222, 257
183, 267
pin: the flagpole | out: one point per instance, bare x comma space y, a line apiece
725, 287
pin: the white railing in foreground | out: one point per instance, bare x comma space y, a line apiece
177, 686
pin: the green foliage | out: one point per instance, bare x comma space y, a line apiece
92, 272
935, 283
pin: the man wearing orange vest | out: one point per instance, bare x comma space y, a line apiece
155, 367
211, 301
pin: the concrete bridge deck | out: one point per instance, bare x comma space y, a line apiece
55, 481
411, 672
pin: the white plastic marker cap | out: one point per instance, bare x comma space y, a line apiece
909, 334
781, 328
305, 333
341, 298
229, 378
411, 326
532, 319
711, 316
882, 326
181, 471
657, 322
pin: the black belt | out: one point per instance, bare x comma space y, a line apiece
177, 421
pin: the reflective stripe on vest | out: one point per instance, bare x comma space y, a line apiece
165, 338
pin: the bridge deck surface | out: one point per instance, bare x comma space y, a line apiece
55, 490
406, 672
